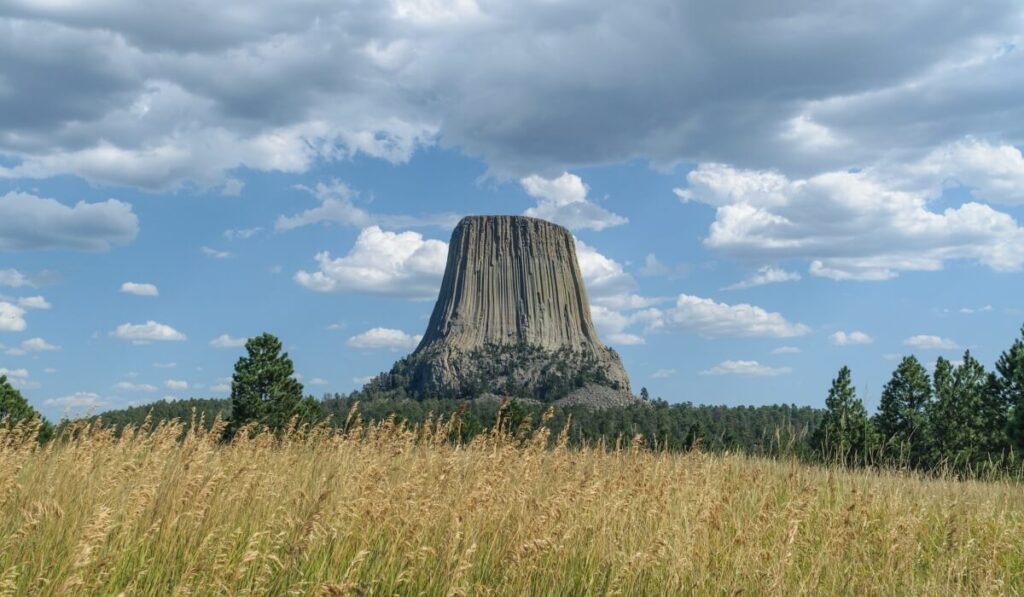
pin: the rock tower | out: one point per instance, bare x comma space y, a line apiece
512, 318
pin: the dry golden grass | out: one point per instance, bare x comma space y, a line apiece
393, 511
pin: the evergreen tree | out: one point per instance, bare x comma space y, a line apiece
264, 389
15, 409
1009, 384
845, 433
644, 394
902, 418
966, 422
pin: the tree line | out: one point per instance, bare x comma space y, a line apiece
960, 417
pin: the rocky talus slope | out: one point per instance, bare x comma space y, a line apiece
512, 318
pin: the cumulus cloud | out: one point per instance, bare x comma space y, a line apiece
864, 225
14, 278
14, 373
140, 289
12, 318
227, 341
385, 338
32, 345
318, 381
765, 275
337, 206
927, 342
563, 200
401, 264
786, 350
849, 339
151, 331
655, 267
663, 373
29, 222
77, 403
33, 302
176, 384
746, 368
127, 386
129, 99
711, 319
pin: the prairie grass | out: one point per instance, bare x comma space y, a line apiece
383, 509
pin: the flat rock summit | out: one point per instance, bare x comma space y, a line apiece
512, 319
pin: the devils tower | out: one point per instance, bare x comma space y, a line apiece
511, 319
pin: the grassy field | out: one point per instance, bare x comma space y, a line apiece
392, 511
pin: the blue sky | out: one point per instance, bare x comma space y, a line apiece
755, 203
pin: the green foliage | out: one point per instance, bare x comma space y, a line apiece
966, 423
846, 434
902, 414
1009, 386
264, 390
15, 409
204, 410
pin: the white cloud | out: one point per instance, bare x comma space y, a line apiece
140, 289
362, 380
337, 206
655, 267
786, 350
926, 342
663, 373
849, 339
14, 373
226, 341
33, 302
765, 275
400, 264
972, 310
12, 318
242, 233
318, 381
150, 331
77, 403
215, 253
127, 386
14, 278
385, 338
563, 200
176, 384
28, 222
602, 275
165, 365
710, 319
249, 87
865, 225
625, 339
746, 368
32, 345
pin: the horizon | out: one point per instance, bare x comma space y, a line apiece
749, 216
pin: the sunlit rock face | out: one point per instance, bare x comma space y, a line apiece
512, 317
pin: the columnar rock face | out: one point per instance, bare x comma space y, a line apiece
511, 280
512, 317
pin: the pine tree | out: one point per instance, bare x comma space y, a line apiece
966, 422
902, 418
264, 389
15, 409
1009, 384
845, 434
644, 394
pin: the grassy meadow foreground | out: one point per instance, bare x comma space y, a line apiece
386, 510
